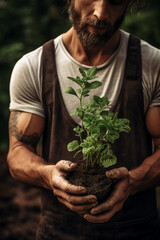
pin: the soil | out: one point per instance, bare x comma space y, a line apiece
94, 179
19, 206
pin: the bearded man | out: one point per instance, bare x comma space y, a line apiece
128, 69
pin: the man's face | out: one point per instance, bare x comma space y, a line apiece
95, 21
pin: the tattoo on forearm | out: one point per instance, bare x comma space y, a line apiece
18, 134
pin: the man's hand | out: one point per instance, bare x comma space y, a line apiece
70, 195
105, 211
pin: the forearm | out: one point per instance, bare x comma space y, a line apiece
147, 175
28, 167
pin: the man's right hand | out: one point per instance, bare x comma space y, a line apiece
73, 197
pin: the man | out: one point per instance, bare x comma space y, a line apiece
130, 79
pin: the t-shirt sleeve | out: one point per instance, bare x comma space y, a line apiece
25, 85
156, 91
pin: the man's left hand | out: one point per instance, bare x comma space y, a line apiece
105, 211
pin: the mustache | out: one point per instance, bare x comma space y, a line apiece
97, 23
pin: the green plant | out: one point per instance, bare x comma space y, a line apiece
99, 126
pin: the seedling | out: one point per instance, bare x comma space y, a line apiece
99, 126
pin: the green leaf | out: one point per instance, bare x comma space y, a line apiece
85, 91
76, 80
92, 71
79, 90
123, 125
97, 99
109, 162
104, 114
87, 150
71, 91
78, 130
77, 112
72, 146
102, 129
99, 147
86, 95
88, 116
94, 130
90, 77
107, 158
115, 116
82, 72
94, 85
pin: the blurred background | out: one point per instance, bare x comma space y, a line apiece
24, 26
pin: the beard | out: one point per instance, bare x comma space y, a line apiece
93, 39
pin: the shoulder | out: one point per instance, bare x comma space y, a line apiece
28, 65
150, 56
25, 84
27, 71
147, 49
150, 50
32, 59
150, 74
26, 75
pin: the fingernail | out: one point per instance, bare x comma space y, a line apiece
86, 217
93, 212
109, 174
71, 164
112, 173
83, 190
92, 199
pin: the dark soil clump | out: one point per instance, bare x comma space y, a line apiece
94, 179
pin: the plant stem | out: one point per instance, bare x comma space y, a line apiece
80, 136
81, 98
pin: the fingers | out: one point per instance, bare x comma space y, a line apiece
80, 209
66, 165
71, 196
108, 205
60, 182
118, 173
118, 197
120, 192
73, 199
105, 217
59, 178
76, 203
105, 211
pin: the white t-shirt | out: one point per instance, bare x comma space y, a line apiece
26, 78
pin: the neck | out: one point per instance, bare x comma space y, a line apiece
90, 56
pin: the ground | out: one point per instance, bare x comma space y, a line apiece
19, 206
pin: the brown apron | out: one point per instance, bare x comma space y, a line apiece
138, 218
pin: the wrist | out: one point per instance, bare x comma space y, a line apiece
45, 172
138, 179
